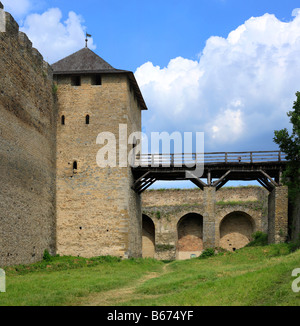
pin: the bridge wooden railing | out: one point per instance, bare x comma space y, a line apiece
186, 159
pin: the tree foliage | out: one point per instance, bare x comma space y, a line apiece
290, 145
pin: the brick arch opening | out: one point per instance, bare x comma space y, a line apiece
190, 236
148, 240
236, 229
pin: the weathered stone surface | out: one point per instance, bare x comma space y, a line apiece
236, 230
278, 215
27, 153
2, 21
295, 217
243, 211
97, 211
11, 26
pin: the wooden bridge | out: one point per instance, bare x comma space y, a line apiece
266, 167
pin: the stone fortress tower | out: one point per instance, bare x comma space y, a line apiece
97, 212
54, 195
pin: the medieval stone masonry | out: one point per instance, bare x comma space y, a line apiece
53, 194
28, 114
96, 207
173, 220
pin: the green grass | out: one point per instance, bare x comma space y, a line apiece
252, 276
63, 280
259, 276
240, 202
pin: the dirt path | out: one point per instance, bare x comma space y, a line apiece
121, 295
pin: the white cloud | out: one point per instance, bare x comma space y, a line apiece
53, 37
17, 8
227, 120
49, 33
238, 91
296, 12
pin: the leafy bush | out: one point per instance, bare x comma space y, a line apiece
47, 256
259, 239
209, 252
295, 245
290, 145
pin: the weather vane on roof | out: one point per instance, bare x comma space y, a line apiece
86, 40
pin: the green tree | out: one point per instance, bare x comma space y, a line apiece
290, 144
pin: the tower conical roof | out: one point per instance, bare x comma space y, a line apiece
82, 61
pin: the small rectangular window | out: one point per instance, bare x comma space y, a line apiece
75, 81
96, 80
75, 165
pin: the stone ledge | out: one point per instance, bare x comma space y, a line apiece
11, 26
2, 20
25, 41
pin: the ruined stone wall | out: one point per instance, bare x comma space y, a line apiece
27, 149
295, 219
278, 215
97, 212
167, 207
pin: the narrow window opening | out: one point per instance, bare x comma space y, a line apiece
63, 120
75, 165
75, 81
96, 80
87, 120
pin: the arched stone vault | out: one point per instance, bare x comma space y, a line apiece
254, 215
148, 237
189, 236
174, 205
236, 230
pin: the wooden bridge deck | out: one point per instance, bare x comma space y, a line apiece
218, 168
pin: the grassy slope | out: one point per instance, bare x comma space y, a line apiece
250, 276
63, 280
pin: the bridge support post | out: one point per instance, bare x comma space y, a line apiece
209, 229
278, 215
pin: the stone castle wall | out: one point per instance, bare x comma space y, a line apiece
245, 209
27, 149
295, 219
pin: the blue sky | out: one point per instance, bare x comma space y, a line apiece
130, 33
133, 32
229, 68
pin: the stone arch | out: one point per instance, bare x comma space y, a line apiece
190, 236
236, 229
148, 237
